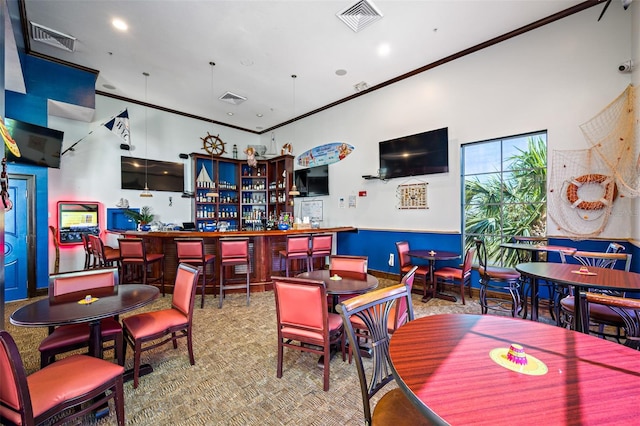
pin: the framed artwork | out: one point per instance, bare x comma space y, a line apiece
412, 196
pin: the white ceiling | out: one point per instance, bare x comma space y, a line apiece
257, 46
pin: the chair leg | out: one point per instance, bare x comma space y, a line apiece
118, 400
327, 356
221, 284
280, 356
248, 287
192, 360
204, 283
119, 348
136, 363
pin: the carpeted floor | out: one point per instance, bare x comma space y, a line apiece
234, 379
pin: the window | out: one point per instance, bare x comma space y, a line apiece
504, 191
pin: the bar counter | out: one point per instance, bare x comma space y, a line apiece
264, 248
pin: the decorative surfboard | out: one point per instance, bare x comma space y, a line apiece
325, 154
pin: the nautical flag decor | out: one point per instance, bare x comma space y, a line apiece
119, 125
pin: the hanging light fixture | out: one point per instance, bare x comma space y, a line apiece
212, 191
294, 190
146, 193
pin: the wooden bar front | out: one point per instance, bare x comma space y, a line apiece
264, 248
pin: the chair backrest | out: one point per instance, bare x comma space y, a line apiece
615, 248
297, 244
357, 264
403, 249
301, 304
598, 259
184, 290
481, 250
189, 248
97, 249
627, 308
234, 248
373, 309
132, 248
468, 261
86, 243
70, 282
402, 309
322, 243
15, 401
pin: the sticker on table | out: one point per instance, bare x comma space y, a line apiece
534, 366
325, 154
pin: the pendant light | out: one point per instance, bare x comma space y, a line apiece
146, 193
294, 190
213, 193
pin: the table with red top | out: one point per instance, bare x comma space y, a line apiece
432, 256
568, 274
443, 364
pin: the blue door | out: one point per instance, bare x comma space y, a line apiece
15, 242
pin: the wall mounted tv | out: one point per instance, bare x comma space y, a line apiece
313, 181
160, 175
38, 145
420, 154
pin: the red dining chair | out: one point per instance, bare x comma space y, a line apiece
304, 322
191, 251
347, 266
67, 338
133, 254
88, 254
142, 331
234, 252
296, 248
374, 309
461, 276
404, 261
63, 391
103, 256
321, 247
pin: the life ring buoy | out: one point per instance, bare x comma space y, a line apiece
607, 183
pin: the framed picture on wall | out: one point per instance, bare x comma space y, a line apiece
77, 218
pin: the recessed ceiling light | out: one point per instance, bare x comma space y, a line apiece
341, 72
109, 86
384, 49
229, 113
119, 24
258, 115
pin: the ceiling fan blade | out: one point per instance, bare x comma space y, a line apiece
604, 10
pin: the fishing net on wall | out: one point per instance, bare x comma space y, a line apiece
585, 184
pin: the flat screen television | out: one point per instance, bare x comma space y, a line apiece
160, 175
38, 145
313, 181
414, 155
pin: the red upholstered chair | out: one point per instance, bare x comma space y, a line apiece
88, 254
347, 266
133, 253
79, 381
191, 251
375, 310
296, 248
75, 336
404, 261
398, 315
321, 247
234, 252
103, 256
304, 322
461, 276
175, 322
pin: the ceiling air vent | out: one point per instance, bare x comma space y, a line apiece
52, 37
359, 15
232, 98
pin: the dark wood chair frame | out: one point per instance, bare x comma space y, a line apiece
495, 280
198, 258
232, 261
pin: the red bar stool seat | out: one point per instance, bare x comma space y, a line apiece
133, 254
191, 251
233, 252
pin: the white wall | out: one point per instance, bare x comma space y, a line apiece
553, 78
635, 56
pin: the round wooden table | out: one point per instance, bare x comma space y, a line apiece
348, 284
567, 274
443, 364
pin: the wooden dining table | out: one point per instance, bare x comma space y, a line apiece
348, 283
432, 256
535, 250
445, 365
568, 274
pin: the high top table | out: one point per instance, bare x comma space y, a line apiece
569, 275
443, 363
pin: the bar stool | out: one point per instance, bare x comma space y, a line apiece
87, 250
297, 248
133, 253
321, 246
191, 251
233, 252
103, 256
